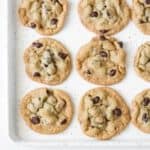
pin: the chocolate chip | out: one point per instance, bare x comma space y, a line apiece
88, 72
62, 55
103, 31
96, 99
120, 44
117, 112
54, 21
103, 54
94, 14
141, 21
108, 14
46, 65
102, 38
48, 92
35, 120
63, 121
145, 117
112, 72
37, 44
36, 74
55, 1
147, 1
105, 6
146, 101
33, 25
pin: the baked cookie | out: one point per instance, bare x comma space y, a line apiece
47, 61
104, 16
102, 61
141, 15
46, 111
142, 61
103, 113
45, 16
141, 111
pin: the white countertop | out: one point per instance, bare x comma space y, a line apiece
5, 142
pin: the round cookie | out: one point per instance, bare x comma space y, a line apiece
104, 16
141, 111
141, 15
47, 61
46, 111
45, 16
142, 61
103, 113
102, 61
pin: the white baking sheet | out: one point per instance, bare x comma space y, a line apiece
73, 35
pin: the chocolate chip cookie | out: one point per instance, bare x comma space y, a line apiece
142, 61
47, 61
45, 16
104, 16
141, 15
46, 111
103, 113
102, 61
141, 111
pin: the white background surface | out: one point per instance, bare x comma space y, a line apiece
4, 140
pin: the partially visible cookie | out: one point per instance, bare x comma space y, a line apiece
46, 111
103, 113
47, 61
104, 16
141, 15
102, 61
45, 16
142, 61
141, 111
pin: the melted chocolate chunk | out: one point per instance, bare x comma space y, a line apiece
36, 74
145, 117
37, 44
103, 54
46, 65
105, 6
102, 38
88, 72
35, 120
64, 121
96, 99
94, 14
33, 25
48, 92
120, 44
146, 101
141, 21
103, 31
54, 21
55, 1
108, 14
62, 55
117, 112
112, 72
147, 2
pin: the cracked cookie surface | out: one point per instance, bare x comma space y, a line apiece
141, 111
102, 61
104, 16
103, 113
47, 61
142, 61
141, 15
45, 16
46, 111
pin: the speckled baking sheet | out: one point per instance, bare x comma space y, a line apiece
73, 35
